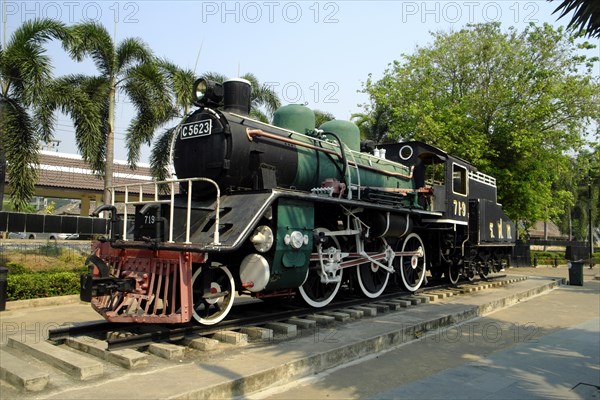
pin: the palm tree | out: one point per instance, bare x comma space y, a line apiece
131, 68
180, 84
373, 125
263, 97
586, 15
25, 72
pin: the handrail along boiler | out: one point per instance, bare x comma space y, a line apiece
288, 210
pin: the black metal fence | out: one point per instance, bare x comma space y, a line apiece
41, 223
521, 255
574, 250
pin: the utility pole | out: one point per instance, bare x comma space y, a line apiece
2, 156
4, 24
590, 217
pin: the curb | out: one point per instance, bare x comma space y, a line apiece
316, 363
42, 302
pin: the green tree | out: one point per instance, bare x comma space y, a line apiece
511, 103
25, 71
322, 116
128, 67
585, 167
374, 123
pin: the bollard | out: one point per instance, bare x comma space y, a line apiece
3, 288
555, 261
535, 260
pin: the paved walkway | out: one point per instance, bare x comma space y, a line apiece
480, 354
562, 271
545, 347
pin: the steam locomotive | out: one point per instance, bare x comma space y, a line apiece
288, 210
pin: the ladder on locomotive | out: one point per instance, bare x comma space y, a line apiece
354, 165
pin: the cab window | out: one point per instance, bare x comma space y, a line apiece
459, 179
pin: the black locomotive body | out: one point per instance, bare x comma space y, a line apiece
290, 211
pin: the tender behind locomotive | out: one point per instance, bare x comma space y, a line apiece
288, 210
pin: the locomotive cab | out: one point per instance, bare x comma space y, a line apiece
442, 181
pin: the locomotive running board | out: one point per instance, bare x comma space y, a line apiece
240, 212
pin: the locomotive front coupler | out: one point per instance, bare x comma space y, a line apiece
91, 286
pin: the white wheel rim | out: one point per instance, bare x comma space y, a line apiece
414, 262
319, 304
215, 288
453, 281
365, 291
322, 303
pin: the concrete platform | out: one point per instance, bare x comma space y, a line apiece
261, 364
546, 347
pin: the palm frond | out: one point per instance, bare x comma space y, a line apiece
20, 149
322, 116
181, 82
92, 39
214, 76
160, 155
36, 32
265, 96
250, 77
24, 73
24, 66
132, 51
586, 15
259, 115
146, 86
84, 100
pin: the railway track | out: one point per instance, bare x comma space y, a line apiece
248, 314
89, 351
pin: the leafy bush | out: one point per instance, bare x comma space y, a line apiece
35, 285
16, 268
548, 257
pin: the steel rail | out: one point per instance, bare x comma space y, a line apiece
159, 333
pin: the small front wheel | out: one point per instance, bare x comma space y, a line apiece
213, 291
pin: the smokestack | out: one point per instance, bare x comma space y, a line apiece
237, 96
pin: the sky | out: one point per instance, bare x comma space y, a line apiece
313, 52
